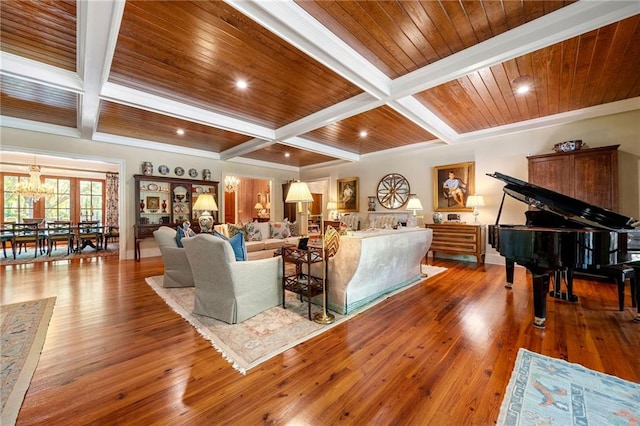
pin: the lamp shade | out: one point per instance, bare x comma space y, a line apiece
258, 206
205, 202
475, 201
414, 204
299, 192
332, 205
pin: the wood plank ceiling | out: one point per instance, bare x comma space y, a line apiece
421, 73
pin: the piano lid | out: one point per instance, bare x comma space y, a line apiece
562, 205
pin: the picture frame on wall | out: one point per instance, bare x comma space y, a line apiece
348, 195
452, 184
153, 203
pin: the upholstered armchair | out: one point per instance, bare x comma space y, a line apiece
177, 270
229, 290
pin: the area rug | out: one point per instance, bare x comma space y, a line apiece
23, 331
57, 254
264, 336
549, 391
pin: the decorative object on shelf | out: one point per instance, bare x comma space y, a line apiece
206, 174
141, 206
475, 201
393, 191
153, 203
33, 188
147, 168
451, 185
163, 169
568, 146
164, 206
348, 194
231, 184
204, 203
371, 203
437, 217
193, 173
180, 193
152, 187
179, 171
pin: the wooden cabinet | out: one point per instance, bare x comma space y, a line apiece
166, 201
459, 238
590, 175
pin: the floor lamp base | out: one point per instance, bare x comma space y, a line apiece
324, 318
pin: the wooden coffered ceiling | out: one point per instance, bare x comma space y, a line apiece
409, 73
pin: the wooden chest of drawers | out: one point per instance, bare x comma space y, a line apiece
459, 238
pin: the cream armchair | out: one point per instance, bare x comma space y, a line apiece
229, 290
177, 270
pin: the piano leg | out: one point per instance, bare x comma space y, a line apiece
540, 290
557, 292
509, 268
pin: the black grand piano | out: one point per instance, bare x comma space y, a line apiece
561, 234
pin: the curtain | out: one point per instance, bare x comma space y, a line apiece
111, 197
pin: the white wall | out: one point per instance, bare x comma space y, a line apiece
505, 154
129, 160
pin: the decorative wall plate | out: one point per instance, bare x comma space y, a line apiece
179, 171
152, 187
193, 173
163, 169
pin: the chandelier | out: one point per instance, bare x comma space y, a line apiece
231, 183
33, 188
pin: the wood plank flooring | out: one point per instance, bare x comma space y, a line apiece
440, 353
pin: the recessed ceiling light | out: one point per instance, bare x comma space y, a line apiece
363, 134
286, 154
241, 84
522, 84
180, 132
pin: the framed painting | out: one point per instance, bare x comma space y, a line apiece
153, 203
452, 184
348, 195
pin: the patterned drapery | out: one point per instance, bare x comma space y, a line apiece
111, 207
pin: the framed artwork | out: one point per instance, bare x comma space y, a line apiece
153, 203
348, 195
452, 184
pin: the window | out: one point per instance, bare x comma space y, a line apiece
91, 196
58, 206
15, 208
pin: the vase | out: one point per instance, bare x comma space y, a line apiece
141, 206
164, 206
437, 217
147, 168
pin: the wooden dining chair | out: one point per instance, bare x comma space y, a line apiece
6, 234
41, 223
90, 233
25, 233
60, 231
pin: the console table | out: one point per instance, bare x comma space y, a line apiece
459, 238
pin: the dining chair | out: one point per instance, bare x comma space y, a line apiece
5, 235
112, 233
25, 233
41, 223
90, 233
62, 231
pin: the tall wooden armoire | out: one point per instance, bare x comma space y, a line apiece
589, 174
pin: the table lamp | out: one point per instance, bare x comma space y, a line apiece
414, 203
204, 203
332, 206
258, 208
475, 201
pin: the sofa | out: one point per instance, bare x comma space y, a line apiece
262, 238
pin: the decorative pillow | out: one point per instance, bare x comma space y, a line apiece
280, 230
331, 241
237, 244
253, 232
180, 235
294, 228
234, 229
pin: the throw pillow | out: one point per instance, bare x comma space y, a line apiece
280, 230
294, 228
253, 232
180, 235
235, 228
237, 244
331, 241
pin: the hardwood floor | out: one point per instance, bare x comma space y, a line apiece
439, 353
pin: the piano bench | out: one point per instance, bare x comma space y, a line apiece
621, 273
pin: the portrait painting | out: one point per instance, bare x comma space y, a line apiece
452, 185
153, 203
348, 195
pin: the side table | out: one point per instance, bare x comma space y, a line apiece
301, 283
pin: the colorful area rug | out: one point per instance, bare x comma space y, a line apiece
549, 391
264, 336
57, 254
24, 328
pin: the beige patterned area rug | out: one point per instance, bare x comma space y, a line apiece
24, 328
58, 254
267, 334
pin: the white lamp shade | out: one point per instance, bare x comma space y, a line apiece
332, 205
414, 204
258, 206
475, 201
299, 192
205, 202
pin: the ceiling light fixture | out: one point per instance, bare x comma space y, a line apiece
522, 84
231, 184
33, 188
180, 132
286, 154
363, 134
241, 84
